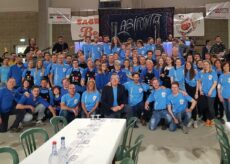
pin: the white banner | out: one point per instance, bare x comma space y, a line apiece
218, 10
191, 24
59, 15
84, 26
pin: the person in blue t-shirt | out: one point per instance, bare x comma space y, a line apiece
178, 108
208, 82
106, 47
191, 87
150, 44
140, 48
177, 74
25, 88
38, 73
4, 70
70, 104
117, 69
115, 45
55, 99
135, 96
96, 49
7, 103
31, 103
16, 71
224, 89
87, 47
58, 72
90, 99
159, 97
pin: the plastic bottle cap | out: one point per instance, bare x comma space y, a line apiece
54, 142
62, 138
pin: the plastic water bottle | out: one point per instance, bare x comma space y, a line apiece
54, 158
63, 158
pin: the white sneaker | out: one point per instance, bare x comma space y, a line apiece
190, 123
195, 124
39, 122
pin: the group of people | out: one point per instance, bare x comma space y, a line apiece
117, 80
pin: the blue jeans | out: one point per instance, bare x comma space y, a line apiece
157, 116
69, 115
183, 118
226, 104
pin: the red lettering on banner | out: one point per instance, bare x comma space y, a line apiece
79, 21
96, 21
87, 31
90, 21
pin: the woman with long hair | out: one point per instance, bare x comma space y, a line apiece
219, 109
191, 87
164, 76
207, 87
38, 72
115, 45
90, 99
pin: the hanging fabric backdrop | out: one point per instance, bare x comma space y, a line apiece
136, 23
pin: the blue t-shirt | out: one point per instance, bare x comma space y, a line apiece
106, 48
192, 82
59, 73
87, 49
16, 72
115, 103
31, 100
224, 81
177, 74
178, 102
4, 73
207, 80
37, 75
135, 92
116, 49
96, 50
159, 97
69, 101
141, 51
7, 100
90, 99
151, 47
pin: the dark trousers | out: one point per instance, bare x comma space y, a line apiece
19, 117
134, 111
219, 108
5, 119
191, 92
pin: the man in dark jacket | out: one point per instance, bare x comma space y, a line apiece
113, 98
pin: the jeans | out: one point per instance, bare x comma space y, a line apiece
227, 109
69, 115
134, 111
183, 118
157, 116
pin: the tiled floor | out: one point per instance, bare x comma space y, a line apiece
159, 147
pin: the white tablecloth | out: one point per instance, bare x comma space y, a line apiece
101, 148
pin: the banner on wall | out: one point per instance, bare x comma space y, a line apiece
218, 10
191, 24
136, 23
84, 26
59, 15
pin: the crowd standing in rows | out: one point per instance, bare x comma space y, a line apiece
117, 80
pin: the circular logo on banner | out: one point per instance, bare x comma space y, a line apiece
75, 101
163, 94
181, 101
209, 77
94, 98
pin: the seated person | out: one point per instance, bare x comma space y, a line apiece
31, 103
7, 103
70, 104
55, 99
90, 99
113, 98
178, 108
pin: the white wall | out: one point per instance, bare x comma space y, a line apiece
18, 5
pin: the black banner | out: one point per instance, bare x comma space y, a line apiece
136, 23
